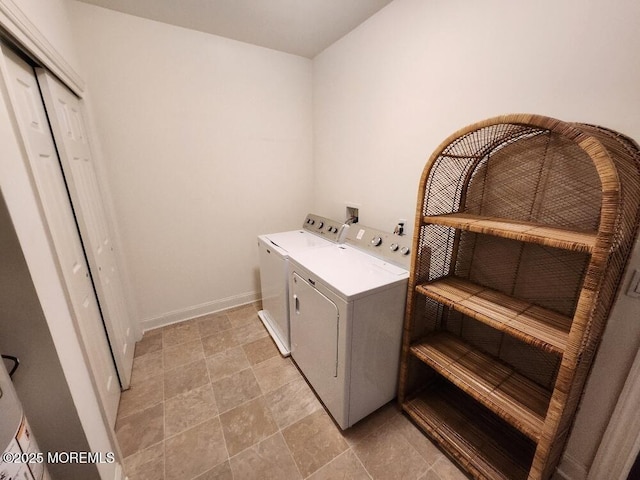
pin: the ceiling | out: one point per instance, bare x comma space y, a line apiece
300, 27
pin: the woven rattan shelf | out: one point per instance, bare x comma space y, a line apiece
537, 326
471, 434
495, 385
522, 231
523, 228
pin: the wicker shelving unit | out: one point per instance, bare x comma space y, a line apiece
523, 228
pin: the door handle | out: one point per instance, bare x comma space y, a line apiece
296, 302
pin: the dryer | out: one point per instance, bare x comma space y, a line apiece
274, 250
347, 307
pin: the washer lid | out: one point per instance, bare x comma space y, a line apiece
350, 272
294, 241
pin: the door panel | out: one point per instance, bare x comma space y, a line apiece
70, 134
273, 282
314, 343
54, 199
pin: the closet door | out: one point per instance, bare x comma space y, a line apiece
70, 134
31, 121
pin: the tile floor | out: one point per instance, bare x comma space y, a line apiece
211, 398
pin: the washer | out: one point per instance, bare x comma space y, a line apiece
274, 250
347, 309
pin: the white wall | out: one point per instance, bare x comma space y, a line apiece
390, 91
207, 143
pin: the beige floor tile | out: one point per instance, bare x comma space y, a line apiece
260, 350
249, 333
247, 425
194, 451
345, 466
242, 315
314, 441
219, 342
292, 402
386, 454
187, 377
178, 333
147, 464
212, 324
182, 431
151, 342
147, 366
447, 470
143, 394
140, 430
430, 475
183, 353
189, 409
227, 363
236, 389
416, 438
220, 472
267, 460
371, 423
275, 372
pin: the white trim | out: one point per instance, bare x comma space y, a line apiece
22, 31
571, 469
621, 440
207, 308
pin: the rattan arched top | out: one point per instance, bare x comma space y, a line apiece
468, 143
523, 226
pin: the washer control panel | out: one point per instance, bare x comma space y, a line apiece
392, 248
322, 226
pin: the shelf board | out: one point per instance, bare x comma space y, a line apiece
476, 438
577, 241
530, 323
514, 398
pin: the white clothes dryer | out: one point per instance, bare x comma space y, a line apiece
274, 250
347, 309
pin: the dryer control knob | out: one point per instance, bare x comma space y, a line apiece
405, 251
321, 224
394, 247
376, 241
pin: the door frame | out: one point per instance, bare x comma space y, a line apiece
32, 42
620, 444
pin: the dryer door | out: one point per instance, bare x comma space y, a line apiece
314, 341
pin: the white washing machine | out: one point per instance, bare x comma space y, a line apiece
274, 250
347, 309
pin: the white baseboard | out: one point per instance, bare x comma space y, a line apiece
198, 310
120, 475
570, 469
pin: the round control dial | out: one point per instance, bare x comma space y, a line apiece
394, 247
405, 251
376, 241
321, 224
